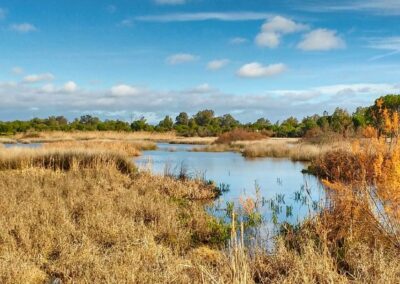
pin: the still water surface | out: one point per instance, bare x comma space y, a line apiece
277, 178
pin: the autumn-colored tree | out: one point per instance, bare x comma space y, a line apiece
363, 183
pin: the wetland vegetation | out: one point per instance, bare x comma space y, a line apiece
82, 210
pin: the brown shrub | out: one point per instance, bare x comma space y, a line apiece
239, 135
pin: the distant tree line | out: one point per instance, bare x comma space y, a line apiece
206, 123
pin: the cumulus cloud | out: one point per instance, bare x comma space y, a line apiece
180, 58
70, 87
34, 78
256, 70
273, 29
18, 98
268, 39
124, 90
23, 28
170, 2
282, 25
217, 64
321, 40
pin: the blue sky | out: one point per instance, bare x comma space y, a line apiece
252, 58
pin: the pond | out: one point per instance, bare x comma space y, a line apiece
282, 186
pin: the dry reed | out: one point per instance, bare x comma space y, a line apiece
60, 136
123, 147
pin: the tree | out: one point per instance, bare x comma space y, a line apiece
340, 121
228, 122
289, 127
140, 125
182, 119
204, 117
166, 124
308, 123
359, 117
89, 120
261, 124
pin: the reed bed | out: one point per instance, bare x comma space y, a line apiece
131, 148
6, 140
296, 152
98, 226
291, 148
81, 216
63, 160
60, 136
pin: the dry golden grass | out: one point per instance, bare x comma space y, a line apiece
59, 136
131, 148
97, 224
297, 151
89, 217
313, 262
64, 160
292, 148
6, 140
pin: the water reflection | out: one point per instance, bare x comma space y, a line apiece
287, 195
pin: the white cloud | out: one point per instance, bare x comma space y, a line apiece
180, 58
124, 90
388, 43
391, 44
381, 7
217, 64
17, 70
282, 25
70, 87
216, 16
34, 78
170, 2
268, 39
200, 89
255, 70
322, 40
48, 88
17, 98
238, 40
273, 28
23, 28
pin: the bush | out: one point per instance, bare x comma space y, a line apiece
239, 135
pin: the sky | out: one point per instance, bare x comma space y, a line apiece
252, 58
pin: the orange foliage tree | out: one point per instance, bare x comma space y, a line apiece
364, 183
